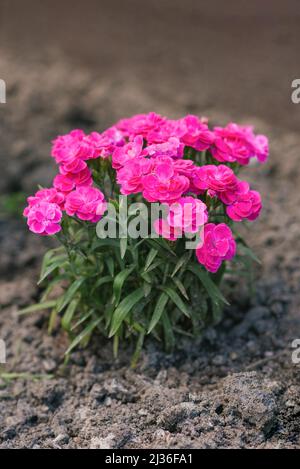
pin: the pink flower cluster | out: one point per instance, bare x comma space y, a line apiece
181, 163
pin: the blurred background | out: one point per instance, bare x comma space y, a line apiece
85, 64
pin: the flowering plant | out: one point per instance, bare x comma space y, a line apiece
117, 278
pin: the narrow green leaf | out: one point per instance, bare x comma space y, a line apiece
168, 332
119, 282
176, 300
155, 264
37, 307
53, 266
82, 320
69, 294
180, 286
124, 308
69, 314
208, 284
90, 327
147, 288
99, 243
116, 346
150, 258
180, 263
110, 265
52, 320
102, 281
138, 348
158, 311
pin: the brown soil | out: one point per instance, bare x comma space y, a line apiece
237, 386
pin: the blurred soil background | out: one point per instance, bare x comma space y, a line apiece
80, 64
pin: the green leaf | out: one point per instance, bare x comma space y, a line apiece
208, 284
150, 258
102, 281
52, 320
119, 282
162, 246
147, 288
180, 263
82, 320
104, 243
110, 265
59, 261
168, 332
68, 316
69, 294
124, 308
155, 264
176, 300
180, 287
158, 311
90, 327
138, 348
37, 307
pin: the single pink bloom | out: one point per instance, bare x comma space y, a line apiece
164, 184
235, 143
44, 218
47, 195
194, 133
130, 151
71, 150
242, 203
217, 245
87, 203
141, 124
67, 182
106, 142
214, 178
130, 177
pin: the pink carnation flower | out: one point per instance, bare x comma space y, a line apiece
45, 195
130, 151
163, 132
194, 133
44, 218
235, 143
218, 245
87, 203
71, 151
188, 214
172, 147
164, 184
141, 124
105, 143
67, 182
214, 178
242, 203
130, 177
